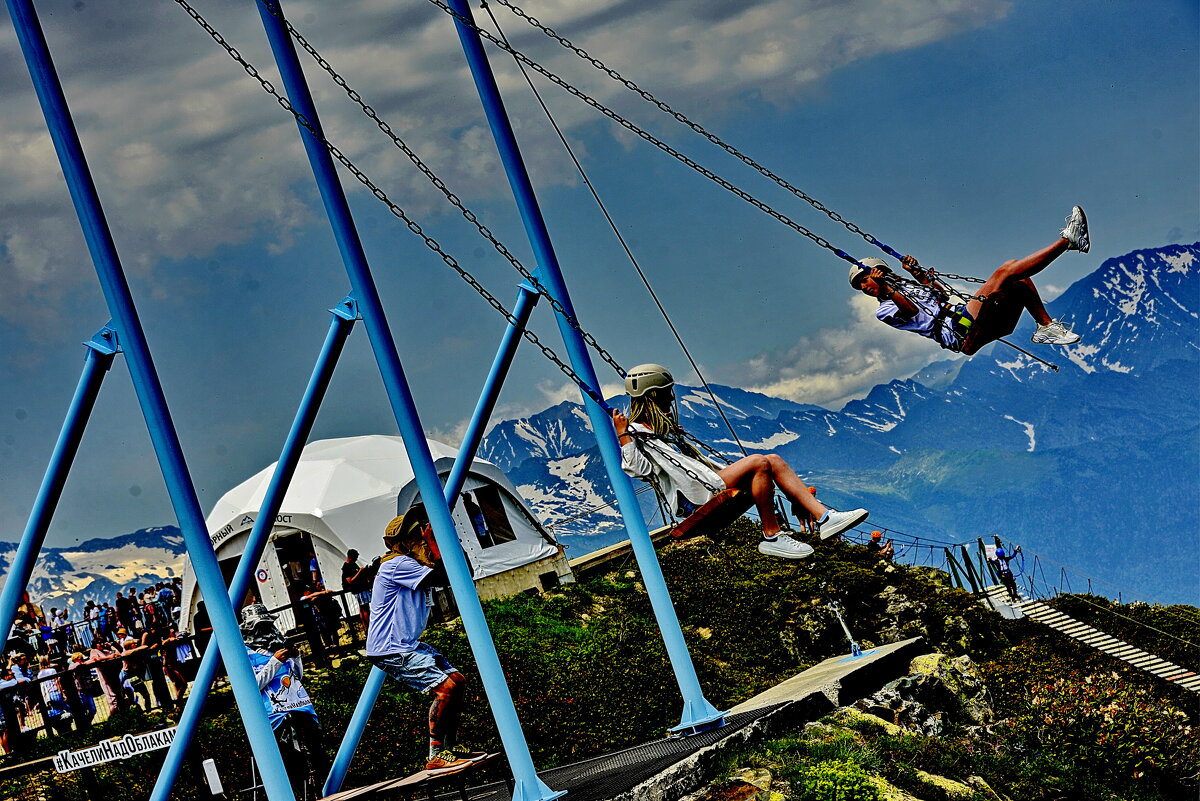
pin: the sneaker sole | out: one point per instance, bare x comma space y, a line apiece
791, 556
1049, 341
847, 524
448, 769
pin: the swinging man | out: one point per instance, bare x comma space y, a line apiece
653, 449
927, 310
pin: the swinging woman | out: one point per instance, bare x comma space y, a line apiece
928, 311
653, 449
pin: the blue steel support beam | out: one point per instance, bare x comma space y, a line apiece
151, 399
527, 785
526, 299
256, 542
96, 363
698, 713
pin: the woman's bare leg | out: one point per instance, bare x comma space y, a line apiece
760, 474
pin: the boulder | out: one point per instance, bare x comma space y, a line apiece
939, 691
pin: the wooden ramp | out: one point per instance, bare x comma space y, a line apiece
1047, 615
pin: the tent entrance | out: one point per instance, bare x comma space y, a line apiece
489, 519
297, 562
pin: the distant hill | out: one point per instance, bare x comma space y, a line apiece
1094, 467
94, 570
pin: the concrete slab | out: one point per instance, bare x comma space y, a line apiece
843, 679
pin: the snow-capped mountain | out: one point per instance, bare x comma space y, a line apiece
1093, 466
94, 570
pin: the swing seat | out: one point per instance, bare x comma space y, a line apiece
725, 507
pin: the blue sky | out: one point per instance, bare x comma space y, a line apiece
959, 131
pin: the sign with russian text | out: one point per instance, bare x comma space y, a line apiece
130, 745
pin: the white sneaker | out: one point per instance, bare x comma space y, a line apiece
1054, 333
785, 547
1076, 231
837, 522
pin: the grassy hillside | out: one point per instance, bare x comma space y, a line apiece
588, 673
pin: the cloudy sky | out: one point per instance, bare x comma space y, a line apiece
958, 130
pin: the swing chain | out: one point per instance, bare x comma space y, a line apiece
694, 126
697, 128
441, 186
396, 210
650, 138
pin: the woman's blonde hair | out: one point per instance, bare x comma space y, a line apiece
648, 410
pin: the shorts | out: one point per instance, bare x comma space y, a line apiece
364, 597
422, 668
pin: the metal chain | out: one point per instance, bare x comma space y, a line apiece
666, 148
441, 186
639, 436
396, 210
695, 126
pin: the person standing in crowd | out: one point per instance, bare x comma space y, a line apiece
399, 613
133, 671
123, 607
358, 580
11, 703
107, 661
327, 612
175, 643
279, 671
58, 713
82, 676
152, 641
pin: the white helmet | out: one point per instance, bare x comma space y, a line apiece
863, 267
645, 377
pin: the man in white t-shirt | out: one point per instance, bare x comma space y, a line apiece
400, 602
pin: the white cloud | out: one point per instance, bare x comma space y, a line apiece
837, 364
189, 154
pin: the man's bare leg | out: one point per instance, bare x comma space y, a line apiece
1018, 269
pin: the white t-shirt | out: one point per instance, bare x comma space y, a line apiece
924, 322
399, 611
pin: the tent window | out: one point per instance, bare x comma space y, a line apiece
485, 508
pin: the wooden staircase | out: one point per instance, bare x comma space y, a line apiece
1049, 616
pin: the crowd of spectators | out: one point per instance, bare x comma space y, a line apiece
58, 674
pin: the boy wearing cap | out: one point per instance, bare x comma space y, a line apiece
278, 669
400, 601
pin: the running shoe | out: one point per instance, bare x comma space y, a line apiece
1076, 232
446, 762
784, 547
462, 752
837, 522
1054, 333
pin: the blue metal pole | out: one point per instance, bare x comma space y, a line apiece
526, 299
98, 360
527, 785
256, 542
150, 395
698, 713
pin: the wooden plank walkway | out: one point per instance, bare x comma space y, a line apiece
1049, 616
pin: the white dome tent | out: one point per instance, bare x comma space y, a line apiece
344, 493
